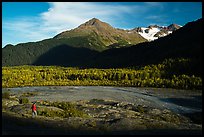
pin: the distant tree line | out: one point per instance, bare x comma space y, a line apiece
167, 74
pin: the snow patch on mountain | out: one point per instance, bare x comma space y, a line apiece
148, 33
154, 32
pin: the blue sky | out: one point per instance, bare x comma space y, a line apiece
34, 21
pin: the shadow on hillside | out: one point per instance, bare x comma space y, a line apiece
186, 42
66, 56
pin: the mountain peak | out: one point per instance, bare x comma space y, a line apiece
173, 27
94, 19
153, 26
94, 22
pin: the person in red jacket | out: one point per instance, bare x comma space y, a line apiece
34, 110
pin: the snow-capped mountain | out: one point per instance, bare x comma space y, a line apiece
153, 32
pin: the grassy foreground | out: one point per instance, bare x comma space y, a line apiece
168, 74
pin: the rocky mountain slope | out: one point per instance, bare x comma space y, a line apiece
105, 33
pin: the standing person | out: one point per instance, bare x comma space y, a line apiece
34, 110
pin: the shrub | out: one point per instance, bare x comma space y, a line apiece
140, 109
6, 95
23, 100
51, 113
29, 94
70, 110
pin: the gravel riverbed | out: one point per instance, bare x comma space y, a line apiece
112, 110
179, 101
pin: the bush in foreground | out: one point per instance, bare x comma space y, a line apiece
6, 95
69, 110
23, 100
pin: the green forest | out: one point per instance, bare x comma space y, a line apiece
167, 74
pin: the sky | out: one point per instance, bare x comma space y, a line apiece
34, 21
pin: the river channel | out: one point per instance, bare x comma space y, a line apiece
179, 101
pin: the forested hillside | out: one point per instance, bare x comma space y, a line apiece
183, 43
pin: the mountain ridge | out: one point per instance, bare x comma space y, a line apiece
184, 42
95, 26
105, 33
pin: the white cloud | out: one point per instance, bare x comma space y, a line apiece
24, 29
63, 16
59, 17
71, 14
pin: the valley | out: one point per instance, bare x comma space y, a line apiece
98, 79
